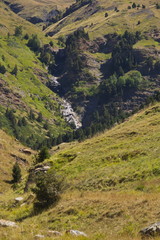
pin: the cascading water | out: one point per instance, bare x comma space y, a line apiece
66, 107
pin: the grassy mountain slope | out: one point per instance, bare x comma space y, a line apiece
26, 90
121, 155
113, 184
11, 151
92, 18
9, 20
36, 8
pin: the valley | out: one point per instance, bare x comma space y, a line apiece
79, 119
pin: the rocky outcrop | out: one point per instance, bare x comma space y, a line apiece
35, 20
25, 151
20, 159
151, 231
15, 7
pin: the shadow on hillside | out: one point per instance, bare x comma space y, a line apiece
37, 209
8, 181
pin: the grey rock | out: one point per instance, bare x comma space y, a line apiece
151, 231
19, 199
42, 169
6, 223
76, 233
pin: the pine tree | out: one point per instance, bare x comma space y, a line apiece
16, 173
15, 70
42, 155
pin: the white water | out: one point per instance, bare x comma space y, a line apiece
66, 108
70, 115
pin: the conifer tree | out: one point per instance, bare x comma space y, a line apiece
16, 173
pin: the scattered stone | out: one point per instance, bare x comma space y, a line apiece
39, 236
151, 231
6, 223
55, 233
76, 233
19, 199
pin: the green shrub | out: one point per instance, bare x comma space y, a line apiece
48, 188
16, 173
42, 155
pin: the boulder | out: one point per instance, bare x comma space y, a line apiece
151, 231
6, 223
19, 199
76, 233
42, 169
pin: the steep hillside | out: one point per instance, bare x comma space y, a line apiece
101, 17
112, 184
29, 110
12, 151
37, 11
9, 20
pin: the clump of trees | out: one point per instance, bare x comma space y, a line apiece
123, 59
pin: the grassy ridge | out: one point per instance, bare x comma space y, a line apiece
97, 25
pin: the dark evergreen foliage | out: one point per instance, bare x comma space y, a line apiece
42, 155
34, 43
48, 189
16, 173
15, 70
2, 69
18, 31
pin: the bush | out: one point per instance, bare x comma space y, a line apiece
18, 31
48, 188
2, 69
15, 70
42, 155
34, 43
16, 173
